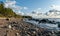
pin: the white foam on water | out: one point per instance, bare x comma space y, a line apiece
44, 25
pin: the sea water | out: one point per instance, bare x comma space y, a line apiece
46, 25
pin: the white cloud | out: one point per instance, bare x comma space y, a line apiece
38, 11
56, 7
37, 14
20, 13
54, 14
55, 10
14, 7
25, 8
10, 3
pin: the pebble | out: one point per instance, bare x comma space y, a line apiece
26, 29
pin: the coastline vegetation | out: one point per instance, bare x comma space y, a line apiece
8, 12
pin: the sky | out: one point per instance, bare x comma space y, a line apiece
36, 4
27, 6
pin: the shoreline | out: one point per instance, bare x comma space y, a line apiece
15, 26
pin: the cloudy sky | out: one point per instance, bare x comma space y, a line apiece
27, 6
31, 5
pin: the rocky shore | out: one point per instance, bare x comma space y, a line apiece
17, 27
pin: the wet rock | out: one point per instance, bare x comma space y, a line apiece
31, 29
26, 29
59, 25
43, 21
4, 27
58, 33
7, 19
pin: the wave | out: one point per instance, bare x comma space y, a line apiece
51, 24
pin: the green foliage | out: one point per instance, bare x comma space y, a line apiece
1, 7
7, 12
1, 15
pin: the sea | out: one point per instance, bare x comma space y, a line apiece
48, 26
